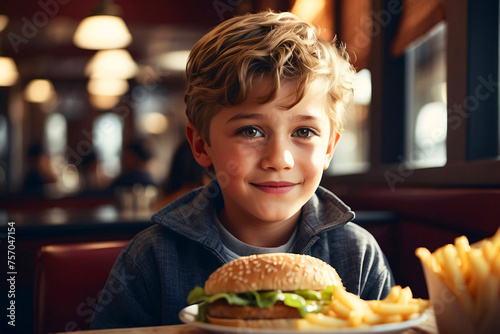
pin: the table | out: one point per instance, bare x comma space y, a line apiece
175, 329
427, 327
67, 223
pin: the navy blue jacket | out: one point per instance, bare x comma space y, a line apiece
153, 275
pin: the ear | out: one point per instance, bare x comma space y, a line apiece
198, 146
331, 149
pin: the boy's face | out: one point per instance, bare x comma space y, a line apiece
268, 159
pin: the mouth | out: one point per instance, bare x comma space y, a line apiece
273, 187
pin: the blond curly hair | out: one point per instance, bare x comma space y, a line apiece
223, 64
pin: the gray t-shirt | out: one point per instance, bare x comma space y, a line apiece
235, 248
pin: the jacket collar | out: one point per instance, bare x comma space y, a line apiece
193, 216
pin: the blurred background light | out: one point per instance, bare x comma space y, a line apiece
4, 19
39, 91
108, 130
153, 123
56, 132
103, 29
107, 86
4, 135
70, 177
117, 63
174, 60
104, 102
8, 71
363, 87
308, 9
431, 125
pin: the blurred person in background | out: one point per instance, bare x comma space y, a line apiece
185, 175
135, 161
93, 181
135, 190
40, 174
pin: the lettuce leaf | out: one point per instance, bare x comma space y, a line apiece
306, 301
326, 294
198, 295
309, 294
263, 299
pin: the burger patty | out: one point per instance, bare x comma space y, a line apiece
221, 309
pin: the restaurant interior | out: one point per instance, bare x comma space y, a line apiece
81, 110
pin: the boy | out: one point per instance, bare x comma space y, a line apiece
264, 103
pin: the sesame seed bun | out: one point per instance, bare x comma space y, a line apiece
275, 271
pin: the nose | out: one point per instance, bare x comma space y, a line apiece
277, 156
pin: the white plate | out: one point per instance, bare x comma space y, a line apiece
188, 316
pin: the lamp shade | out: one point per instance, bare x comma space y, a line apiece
107, 86
8, 71
117, 63
4, 19
102, 32
39, 91
104, 102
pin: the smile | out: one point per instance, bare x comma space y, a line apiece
275, 187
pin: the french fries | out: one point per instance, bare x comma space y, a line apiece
470, 272
347, 310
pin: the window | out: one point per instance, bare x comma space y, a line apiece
4, 144
351, 154
434, 118
108, 137
479, 109
4, 136
55, 134
425, 75
149, 111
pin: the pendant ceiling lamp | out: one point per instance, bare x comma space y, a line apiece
103, 29
117, 63
8, 71
39, 91
8, 68
107, 86
4, 19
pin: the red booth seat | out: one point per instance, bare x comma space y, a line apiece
68, 281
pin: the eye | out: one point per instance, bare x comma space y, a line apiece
304, 133
250, 132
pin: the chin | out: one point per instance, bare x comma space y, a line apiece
277, 211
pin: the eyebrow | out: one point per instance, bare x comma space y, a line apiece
304, 118
300, 118
244, 116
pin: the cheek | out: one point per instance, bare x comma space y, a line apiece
312, 162
234, 167
232, 162
314, 156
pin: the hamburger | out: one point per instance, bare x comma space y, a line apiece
265, 291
